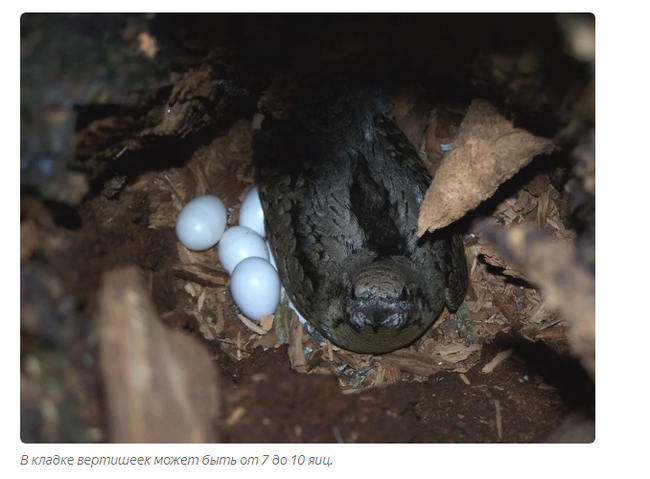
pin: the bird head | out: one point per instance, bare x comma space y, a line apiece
380, 298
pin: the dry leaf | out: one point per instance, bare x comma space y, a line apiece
488, 151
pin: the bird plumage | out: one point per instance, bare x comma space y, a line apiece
341, 189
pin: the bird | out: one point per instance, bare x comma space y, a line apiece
341, 188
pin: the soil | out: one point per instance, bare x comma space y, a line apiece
271, 404
525, 399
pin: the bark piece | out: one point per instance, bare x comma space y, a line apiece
161, 385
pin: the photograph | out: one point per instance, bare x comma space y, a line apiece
305, 228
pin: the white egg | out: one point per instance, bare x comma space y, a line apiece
300, 317
251, 214
271, 258
255, 288
201, 223
239, 243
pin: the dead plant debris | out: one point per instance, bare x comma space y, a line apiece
499, 305
491, 148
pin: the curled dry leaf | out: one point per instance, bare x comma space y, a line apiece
488, 151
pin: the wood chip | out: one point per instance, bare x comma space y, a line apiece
191, 290
251, 325
268, 341
380, 374
267, 322
506, 305
557, 333
497, 407
235, 416
498, 359
221, 321
392, 372
296, 354
452, 352
200, 301
201, 274
413, 362
464, 379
